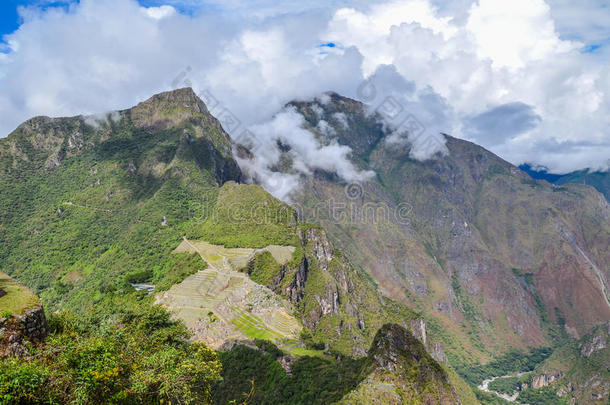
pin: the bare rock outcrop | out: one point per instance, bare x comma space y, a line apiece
18, 332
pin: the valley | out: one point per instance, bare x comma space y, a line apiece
147, 246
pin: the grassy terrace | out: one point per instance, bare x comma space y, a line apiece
15, 298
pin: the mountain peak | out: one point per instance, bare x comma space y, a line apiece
184, 97
401, 371
168, 108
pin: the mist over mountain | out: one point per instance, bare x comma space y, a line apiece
454, 260
381, 202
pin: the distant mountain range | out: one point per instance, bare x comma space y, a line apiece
600, 180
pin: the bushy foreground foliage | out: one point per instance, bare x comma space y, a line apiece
256, 375
123, 352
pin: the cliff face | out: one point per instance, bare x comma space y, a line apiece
333, 299
579, 370
466, 238
597, 340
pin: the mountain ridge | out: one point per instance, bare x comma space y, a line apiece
469, 211
94, 208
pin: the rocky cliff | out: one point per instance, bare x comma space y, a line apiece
579, 371
473, 242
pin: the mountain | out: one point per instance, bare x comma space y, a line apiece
578, 371
600, 180
106, 216
401, 372
492, 258
88, 201
458, 262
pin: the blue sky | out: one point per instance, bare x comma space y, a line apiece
9, 20
528, 79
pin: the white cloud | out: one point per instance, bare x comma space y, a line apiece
306, 153
584, 20
447, 62
496, 53
158, 13
514, 33
99, 120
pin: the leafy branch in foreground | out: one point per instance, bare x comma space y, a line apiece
123, 352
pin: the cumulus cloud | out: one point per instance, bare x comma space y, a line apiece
454, 66
493, 53
158, 13
285, 132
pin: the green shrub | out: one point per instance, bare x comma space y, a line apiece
121, 352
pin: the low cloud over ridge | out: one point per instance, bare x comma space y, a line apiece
455, 72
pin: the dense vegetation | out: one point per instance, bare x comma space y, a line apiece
313, 380
511, 362
488, 398
246, 215
121, 351
542, 396
507, 385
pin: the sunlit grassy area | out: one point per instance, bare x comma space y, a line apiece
252, 326
17, 299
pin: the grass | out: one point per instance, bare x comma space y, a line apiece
18, 298
252, 326
246, 215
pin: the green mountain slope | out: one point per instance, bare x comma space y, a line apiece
94, 215
84, 208
493, 258
578, 371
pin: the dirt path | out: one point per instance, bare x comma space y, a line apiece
71, 204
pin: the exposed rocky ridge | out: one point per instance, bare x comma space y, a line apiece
400, 371
596, 340
480, 243
579, 370
52, 140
